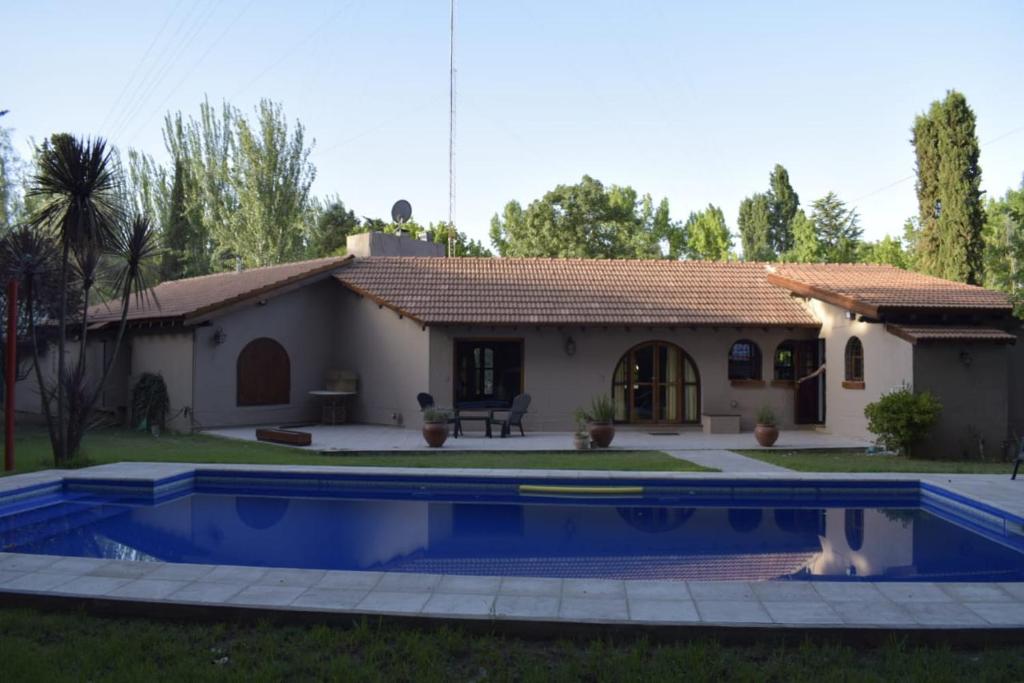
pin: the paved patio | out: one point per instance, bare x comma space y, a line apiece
360, 437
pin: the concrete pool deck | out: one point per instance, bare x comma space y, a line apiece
790, 606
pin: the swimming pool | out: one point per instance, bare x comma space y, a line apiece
640, 528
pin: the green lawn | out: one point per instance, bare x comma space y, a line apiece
857, 461
74, 647
116, 445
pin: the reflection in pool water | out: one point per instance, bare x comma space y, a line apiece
511, 539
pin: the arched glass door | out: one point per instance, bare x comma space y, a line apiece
657, 383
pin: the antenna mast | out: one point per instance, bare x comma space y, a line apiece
451, 131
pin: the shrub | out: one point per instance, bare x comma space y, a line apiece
580, 416
601, 409
766, 416
150, 402
901, 418
434, 416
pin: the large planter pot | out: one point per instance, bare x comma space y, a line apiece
601, 433
766, 435
435, 433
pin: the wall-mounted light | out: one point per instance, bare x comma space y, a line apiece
219, 336
261, 302
570, 347
850, 315
965, 358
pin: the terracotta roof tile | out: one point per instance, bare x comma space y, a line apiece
916, 333
200, 295
874, 288
499, 291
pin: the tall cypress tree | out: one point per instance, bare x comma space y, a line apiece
176, 231
783, 204
754, 223
952, 217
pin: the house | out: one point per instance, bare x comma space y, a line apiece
672, 341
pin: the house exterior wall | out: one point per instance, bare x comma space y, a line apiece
302, 321
389, 353
559, 384
972, 381
888, 364
170, 356
1015, 389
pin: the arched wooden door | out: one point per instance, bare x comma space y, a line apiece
264, 374
656, 383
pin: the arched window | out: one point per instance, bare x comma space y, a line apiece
854, 360
785, 362
744, 360
264, 374
656, 382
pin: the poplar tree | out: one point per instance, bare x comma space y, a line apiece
755, 226
951, 215
783, 204
707, 234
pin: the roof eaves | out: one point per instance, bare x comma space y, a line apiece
826, 295
204, 313
402, 313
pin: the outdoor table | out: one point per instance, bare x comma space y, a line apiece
334, 407
460, 418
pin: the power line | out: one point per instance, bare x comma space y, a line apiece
138, 64
137, 96
911, 177
216, 41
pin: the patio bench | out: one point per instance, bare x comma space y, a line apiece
720, 423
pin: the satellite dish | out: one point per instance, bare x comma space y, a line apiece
401, 211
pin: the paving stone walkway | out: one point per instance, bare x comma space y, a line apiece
727, 461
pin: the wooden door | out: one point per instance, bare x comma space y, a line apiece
806, 360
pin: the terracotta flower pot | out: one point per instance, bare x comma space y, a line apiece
601, 433
435, 433
766, 435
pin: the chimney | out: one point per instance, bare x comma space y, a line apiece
383, 244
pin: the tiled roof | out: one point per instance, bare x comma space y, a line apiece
198, 296
917, 333
872, 289
500, 291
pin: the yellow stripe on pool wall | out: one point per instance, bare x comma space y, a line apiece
582, 490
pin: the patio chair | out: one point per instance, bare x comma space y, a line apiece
1019, 460
514, 418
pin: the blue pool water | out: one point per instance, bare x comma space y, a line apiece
456, 529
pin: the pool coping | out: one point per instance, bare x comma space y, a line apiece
521, 604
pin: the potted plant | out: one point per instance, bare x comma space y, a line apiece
766, 432
435, 427
581, 439
601, 418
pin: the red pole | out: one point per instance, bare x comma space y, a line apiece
10, 373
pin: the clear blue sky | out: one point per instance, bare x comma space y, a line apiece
693, 101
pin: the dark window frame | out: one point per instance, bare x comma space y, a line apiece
486, 372
788, 372
853, 357
747, 367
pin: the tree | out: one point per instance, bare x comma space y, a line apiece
952, 217
887, 251
270, 176
783, 205
806, 246
463, 246
708, 235
755, 226
175, 230
330, 228
1004, 246
585, 220
837, 229
78, 189
10, 178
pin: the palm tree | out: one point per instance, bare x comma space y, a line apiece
81, 210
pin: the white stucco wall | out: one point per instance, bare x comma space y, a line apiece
170, 356
888, 364
559, 384
389, 353
303, 321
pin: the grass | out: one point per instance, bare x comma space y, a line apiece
32, 448
857, 461
39, 646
